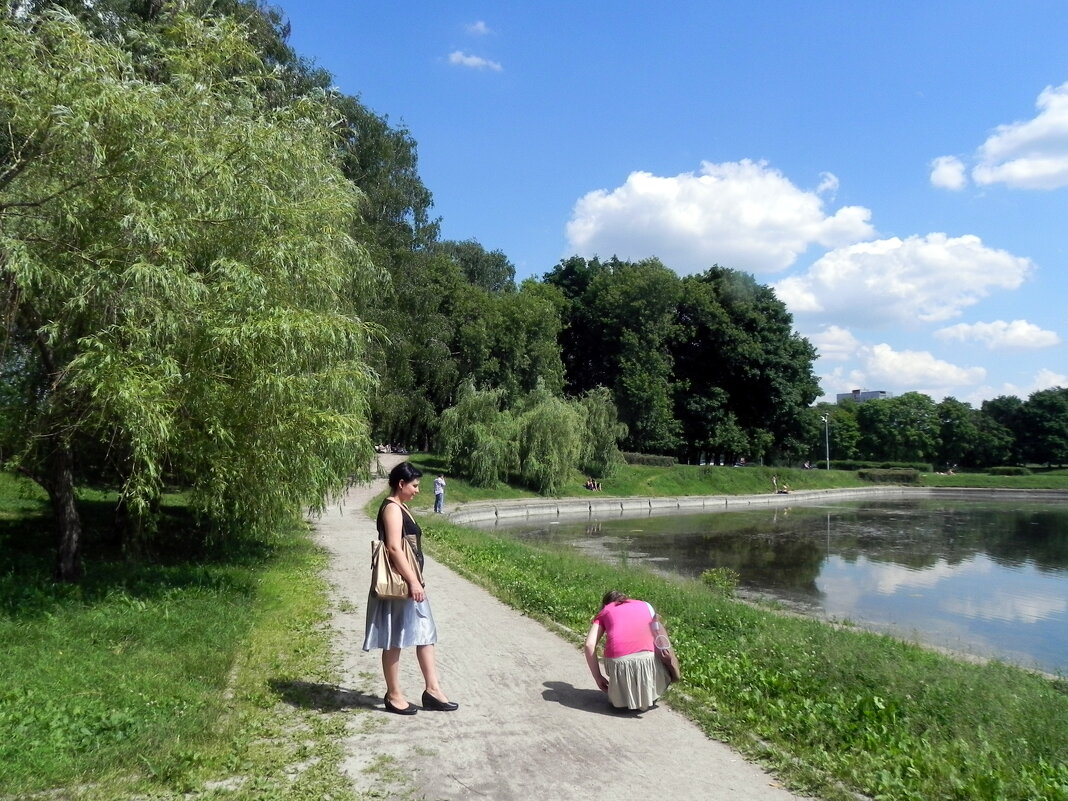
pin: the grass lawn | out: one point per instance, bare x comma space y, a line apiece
152, 680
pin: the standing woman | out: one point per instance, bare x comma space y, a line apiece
393, 624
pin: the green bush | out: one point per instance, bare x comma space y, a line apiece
860, 464
650, 459
722, 579
893, 476
1008, 470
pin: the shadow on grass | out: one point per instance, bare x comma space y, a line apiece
180, 555
321, 697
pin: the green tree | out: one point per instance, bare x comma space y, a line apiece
601, 456
1044, 423
959, 433
842, 433
175, 256
995, 444
512, 340
490, 270
737, 353
902, 429
1005, 411
419, 358
550, 433
478, 437
630, 311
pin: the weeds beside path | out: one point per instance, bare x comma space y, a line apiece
530, 724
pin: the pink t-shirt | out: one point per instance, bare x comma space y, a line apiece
626, 627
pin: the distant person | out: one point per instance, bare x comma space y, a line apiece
439, 494
775, 483
394, 624
633, 677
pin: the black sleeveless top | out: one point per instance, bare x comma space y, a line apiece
410, 531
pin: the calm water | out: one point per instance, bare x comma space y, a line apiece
974, 577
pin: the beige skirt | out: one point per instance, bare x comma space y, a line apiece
635, 681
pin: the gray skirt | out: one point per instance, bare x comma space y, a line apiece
635, 681
398, 623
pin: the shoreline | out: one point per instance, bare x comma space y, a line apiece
480, 513
485, 515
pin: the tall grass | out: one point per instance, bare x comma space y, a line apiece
835, 712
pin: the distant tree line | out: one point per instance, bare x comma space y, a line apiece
913, 428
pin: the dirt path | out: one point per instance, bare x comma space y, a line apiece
531, 723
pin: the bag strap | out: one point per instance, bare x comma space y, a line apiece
406, 510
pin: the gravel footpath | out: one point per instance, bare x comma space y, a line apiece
531, 723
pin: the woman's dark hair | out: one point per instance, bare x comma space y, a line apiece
405, 471
613, 597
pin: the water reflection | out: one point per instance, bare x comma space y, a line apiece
976, 577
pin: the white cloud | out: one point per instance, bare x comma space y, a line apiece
915, 370
1000, 334
898, 281
834, 343
882, 367
1047, 379
828, 184
947, 172
1032, 154
462, 59
479, 28
743, 215
889, 578
1043, 379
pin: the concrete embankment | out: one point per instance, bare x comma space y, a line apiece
600, 507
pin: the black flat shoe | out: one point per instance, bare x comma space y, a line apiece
433, 704
411, 709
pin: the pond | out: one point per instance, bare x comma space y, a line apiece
976, 577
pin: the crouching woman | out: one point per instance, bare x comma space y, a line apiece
633, 677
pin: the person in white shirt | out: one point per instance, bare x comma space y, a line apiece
439, 494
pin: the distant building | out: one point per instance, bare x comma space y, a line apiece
861, 395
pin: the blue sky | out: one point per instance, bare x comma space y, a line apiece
897, 172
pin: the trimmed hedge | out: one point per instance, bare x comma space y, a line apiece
896, 475
1008, 470
650, 459
860, 464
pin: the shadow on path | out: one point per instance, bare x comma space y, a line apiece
594, 701
323, 697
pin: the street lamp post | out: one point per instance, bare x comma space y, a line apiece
827, 438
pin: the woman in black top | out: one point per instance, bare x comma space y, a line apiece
393, 624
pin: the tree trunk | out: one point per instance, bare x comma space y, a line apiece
137, 529
60, 486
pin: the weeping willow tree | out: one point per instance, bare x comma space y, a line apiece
601, 456
551, 434
477, 437
176, 265
543, 440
